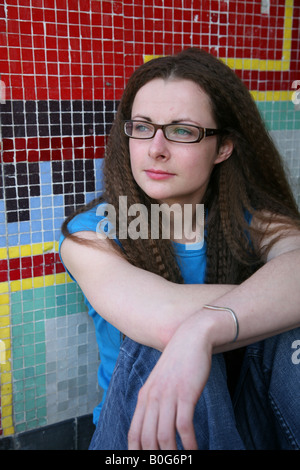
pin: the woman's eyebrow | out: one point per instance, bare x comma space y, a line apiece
175, 121
182, 120
144, 118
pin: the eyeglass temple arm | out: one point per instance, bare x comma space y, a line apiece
208, 132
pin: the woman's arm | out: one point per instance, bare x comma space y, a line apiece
142, 305
269, 301
266, 304
149, 309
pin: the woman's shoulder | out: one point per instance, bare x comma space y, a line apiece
87, 220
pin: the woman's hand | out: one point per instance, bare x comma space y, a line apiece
167, 401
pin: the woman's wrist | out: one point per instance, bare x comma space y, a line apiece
220, 326
233, 316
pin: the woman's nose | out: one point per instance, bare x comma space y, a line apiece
159, 146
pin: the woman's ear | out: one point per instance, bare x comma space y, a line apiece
225, 150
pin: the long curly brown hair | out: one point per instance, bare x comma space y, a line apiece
251, 181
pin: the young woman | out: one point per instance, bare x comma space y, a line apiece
210, 323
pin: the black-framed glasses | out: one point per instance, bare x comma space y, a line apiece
179, 132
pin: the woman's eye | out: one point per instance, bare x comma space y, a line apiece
141, 128
182, 131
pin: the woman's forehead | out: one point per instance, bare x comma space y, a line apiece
174, 98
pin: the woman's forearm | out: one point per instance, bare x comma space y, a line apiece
266, 304
142, 305
146, 307
149, 309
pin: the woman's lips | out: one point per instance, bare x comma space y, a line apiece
158, 174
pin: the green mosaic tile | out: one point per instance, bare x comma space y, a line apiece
19, 407
40, 337
29, 372
41, 390
61, 300
39, 293
50, 291
279, 115
73, 308
39, 315
42, 422
50, 301
17, 331
30, 417
28, 316
28, 328
50, 313
19, 417
29, 350
29, 399
39, 326
39, 303
29, 361
60, 289
16, 297
40, 359
28, 339
29, 383
18, 363
72, 287
18, 376
41, 412
19, 397
29, 312
20, 427
40, 402
40, 372
16, 319
31, 424
17, 352
16, 308
40, 348
61, 311
17, 342
27, 295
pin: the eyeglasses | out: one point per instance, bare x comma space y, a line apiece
182, 133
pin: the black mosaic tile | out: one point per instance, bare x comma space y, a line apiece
1, 186
55, 118
11, 205
73, 179
30, 107
11, 217
23, 192
21, 181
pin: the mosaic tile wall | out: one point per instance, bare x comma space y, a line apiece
63, 66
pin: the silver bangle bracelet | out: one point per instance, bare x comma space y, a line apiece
212, 307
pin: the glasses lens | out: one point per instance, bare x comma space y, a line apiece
183, 133
139, 129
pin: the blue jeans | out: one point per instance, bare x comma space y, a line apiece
264, 413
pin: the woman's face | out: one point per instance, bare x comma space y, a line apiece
173, 172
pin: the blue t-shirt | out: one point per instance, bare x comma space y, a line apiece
192, 263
